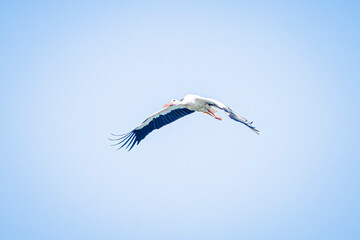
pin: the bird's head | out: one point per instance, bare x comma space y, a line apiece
172, 102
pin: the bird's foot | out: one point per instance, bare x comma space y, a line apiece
218, 118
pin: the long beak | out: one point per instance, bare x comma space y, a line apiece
168, 105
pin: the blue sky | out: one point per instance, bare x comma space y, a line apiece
72, 73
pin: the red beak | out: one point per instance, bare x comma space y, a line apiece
168, 105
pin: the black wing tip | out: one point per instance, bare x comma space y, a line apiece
127, 139
253, 128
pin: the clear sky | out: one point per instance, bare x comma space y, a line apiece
72, 73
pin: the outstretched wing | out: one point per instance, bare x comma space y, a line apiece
232, 115
156, 121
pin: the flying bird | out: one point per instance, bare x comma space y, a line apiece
173, 111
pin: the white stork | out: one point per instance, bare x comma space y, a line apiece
173, 111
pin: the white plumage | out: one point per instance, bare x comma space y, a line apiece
173, 111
